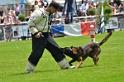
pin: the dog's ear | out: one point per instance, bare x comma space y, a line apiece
80, 50
71, 47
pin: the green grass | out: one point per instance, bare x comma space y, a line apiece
13, 58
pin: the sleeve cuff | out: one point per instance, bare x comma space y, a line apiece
35, 33
33, 30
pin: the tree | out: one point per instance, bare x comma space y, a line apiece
107, 12
22, 18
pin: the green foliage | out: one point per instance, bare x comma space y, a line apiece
91, 11
22, 17
107, 12
106, 17
14, 55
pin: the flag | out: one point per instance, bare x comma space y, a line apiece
67, 29
102, 24
76, 29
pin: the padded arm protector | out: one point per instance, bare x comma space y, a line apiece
33, 30
35, 18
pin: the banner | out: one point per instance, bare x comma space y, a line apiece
113, 24
58, 29
76, 29
72, 29
85, 27
20, 30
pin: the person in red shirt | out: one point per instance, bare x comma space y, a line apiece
91, 5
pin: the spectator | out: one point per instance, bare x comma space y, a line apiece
8, 21
56, 15
60, 8
41, 4
9, 12
69, 7
69, 10
36, 6
115, 8
32, 9
82, 1
17, 10
121, 8
118, 2
91, 5
45, 4
1, 15
84, 7
8, 28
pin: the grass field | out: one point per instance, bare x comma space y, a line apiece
13, 58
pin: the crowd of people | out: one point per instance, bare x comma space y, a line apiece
64, 11
116, 5
8, 18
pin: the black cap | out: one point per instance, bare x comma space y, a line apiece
54, 4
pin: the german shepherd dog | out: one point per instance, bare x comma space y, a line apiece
82, 52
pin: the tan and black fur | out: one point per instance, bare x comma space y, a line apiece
82, 52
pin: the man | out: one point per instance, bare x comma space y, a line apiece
17, 9
84, 7
36, 6
1, 15
70, 7
39, 25
118, 2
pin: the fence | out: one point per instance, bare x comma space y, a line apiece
75, 29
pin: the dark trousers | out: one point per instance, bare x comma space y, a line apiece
46, 42
70, 16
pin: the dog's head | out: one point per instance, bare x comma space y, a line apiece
77, 50
67, 51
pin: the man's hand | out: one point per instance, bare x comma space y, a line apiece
38, 35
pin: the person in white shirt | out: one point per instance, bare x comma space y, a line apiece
8, 27
84, 7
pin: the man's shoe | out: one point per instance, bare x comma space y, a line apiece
29, 68
64, 64
70, 67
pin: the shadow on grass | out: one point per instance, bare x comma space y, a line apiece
86, 66
45, 71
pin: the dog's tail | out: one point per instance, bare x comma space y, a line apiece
106, 38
